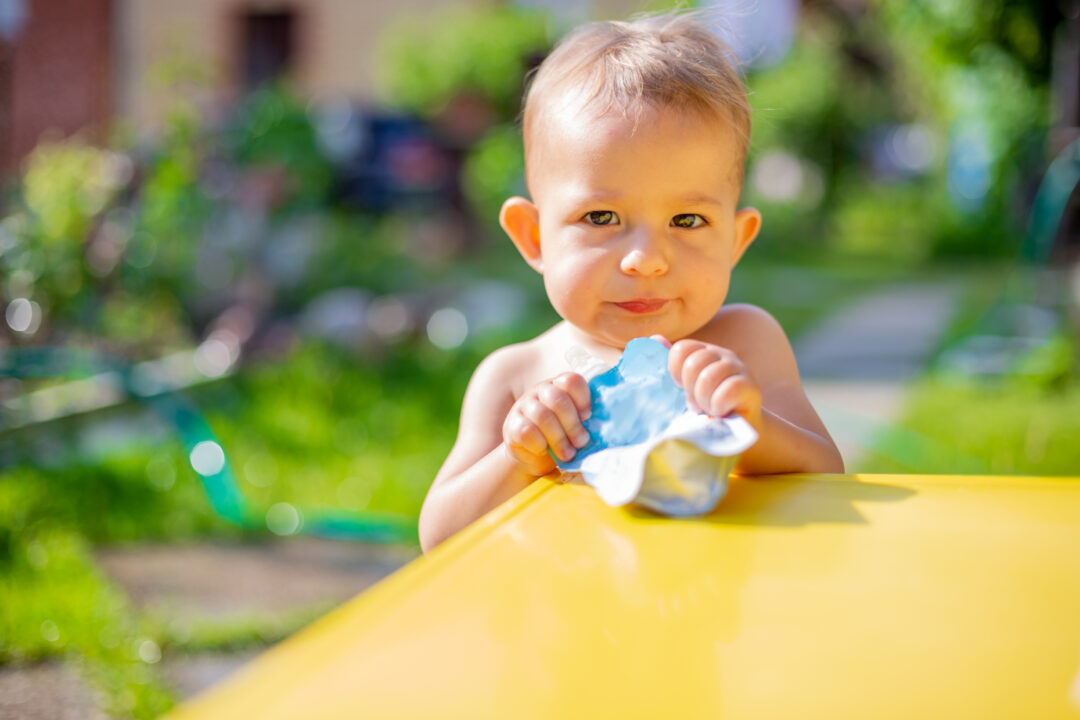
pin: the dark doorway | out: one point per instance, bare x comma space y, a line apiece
269, 44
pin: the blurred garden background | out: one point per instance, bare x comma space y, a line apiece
249, 258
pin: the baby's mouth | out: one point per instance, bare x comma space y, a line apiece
642, 306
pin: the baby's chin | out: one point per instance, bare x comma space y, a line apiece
617, 335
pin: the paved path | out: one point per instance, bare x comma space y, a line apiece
213, 581
196, 583
49, 691
856, 365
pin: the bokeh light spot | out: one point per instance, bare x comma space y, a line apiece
283, 519
213, 358
161, 472
388, 317
23, 316
447, 328
207, 458
149, 652
49, 631
36, 554
260, 470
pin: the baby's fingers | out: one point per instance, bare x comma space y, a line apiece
578, 389
700, 391
679, 354
519, 432
736, 394
540, 429
566, 427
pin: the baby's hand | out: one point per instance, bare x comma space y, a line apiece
716, 381
548, 415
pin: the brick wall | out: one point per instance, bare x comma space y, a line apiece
57, 76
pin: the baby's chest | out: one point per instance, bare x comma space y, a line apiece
543, 369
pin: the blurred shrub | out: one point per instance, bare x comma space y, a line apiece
272, 130
964, 84
464, 71
494, 171
1009, 428
66, 187
425, 62
168, 211
54, 603
893, 223
323, 430
138, 253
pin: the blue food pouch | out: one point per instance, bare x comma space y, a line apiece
646, 445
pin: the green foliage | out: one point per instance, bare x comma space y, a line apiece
973, 65
1010, 428
953, 69
355, 250
66, 186
55, 603
425, 62
272, 131
896, 224
236, 632
494, 171
325, 431
169, 213
145, 491
1023, 422
117, 257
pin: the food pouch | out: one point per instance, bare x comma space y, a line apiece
647, 446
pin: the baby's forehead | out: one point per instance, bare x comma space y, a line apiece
569, 123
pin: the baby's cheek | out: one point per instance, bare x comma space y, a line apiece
575, 283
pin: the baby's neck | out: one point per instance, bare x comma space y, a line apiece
569, 335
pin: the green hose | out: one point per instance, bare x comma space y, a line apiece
205, 454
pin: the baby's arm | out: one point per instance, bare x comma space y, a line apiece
502, 444
759, 380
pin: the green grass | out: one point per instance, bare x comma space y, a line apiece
325, 430
1023, 423
1007, 428
55, 603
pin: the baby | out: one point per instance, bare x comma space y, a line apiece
635, 140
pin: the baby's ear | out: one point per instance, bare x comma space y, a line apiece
747, 225
521, 221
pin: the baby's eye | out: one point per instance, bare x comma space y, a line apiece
688, 220
601, 217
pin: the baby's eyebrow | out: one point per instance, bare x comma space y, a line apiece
700, 199
593, 196
602, 196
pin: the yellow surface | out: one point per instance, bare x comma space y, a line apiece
885, 596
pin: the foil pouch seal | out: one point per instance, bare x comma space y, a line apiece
647, 447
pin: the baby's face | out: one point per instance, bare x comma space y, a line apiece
638, 223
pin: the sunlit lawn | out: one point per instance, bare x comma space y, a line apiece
1022, 423
966, 428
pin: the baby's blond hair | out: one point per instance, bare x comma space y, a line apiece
661, 61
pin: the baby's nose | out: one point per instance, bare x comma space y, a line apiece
647, 260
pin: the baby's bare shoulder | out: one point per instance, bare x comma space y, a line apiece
504, 365
745, 327
515, 367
